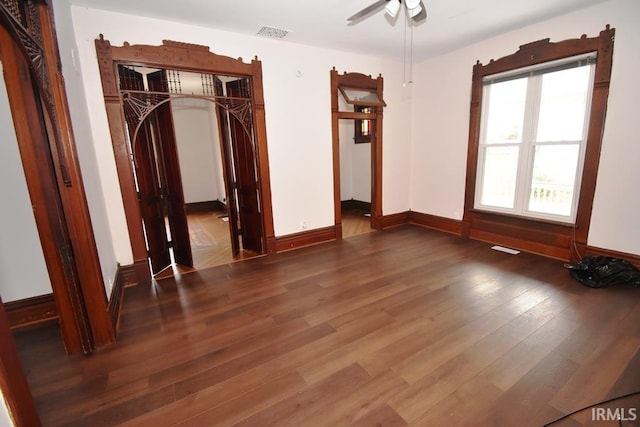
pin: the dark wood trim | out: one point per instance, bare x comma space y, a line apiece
43, 193
262, 154
355, 205
126, 275
47, 149
136, 273
203, 207
357, 81
31, 311
115, 301
528, 242
335, 143
13, 381
395, 220
272, 245
74, 199
140, 272
305, 238
447, 225
181, 56
595, 251
541, 237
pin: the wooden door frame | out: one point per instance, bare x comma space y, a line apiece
43, 130
357, 81
187, 57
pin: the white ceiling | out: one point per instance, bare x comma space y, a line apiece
450, 23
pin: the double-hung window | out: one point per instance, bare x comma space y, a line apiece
532, 142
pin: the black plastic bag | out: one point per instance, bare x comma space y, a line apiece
601, 271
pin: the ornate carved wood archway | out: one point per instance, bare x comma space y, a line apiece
184, 57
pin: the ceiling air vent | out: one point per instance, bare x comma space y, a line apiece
274, 33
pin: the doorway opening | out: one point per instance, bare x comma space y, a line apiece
356, 111
355, 175
193, 158
150, 84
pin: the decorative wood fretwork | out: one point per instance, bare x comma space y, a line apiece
23, 18
139, 101
138, 105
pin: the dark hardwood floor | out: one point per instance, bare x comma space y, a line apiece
406, 326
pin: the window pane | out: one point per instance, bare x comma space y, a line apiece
499, 176
554, 174
563, 105
506, 111
361, 96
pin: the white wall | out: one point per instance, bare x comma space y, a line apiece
441, 121
298, 128
23, 272
197, 138
361, 169
355, 165
434, 162
96, 160
5, 418
345, 135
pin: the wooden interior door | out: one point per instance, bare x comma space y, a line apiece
244, 160
149, 186
228, 170
169, 167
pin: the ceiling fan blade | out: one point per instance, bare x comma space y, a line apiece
422, 15
367, 10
